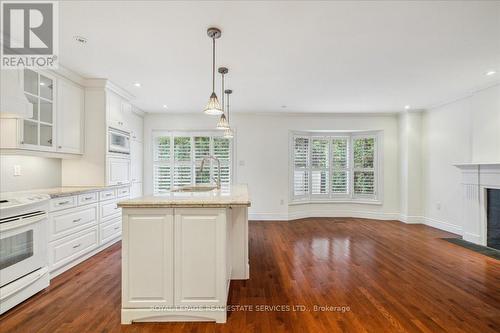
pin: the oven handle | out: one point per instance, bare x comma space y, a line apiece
22, 222
39, 274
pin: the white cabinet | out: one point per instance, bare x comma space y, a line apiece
184, 264
135, 190
199, 257
115, 114
118, 171
147, 271
70, 108
136, 123
136, 150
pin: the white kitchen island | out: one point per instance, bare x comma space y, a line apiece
179, 252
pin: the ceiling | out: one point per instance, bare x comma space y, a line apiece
287, 56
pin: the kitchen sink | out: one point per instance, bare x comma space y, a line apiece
195, 188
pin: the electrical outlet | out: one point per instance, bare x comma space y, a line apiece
242, 163
17, 170
438, 206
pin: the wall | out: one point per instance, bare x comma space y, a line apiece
467, 130
262, 157
36, 172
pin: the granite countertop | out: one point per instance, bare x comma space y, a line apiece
235, 195
64, 191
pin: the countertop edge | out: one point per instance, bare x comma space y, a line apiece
182, 205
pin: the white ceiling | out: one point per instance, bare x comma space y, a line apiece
310, 56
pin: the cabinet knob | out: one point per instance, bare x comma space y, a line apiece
59, 147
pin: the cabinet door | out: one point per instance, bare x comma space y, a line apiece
147, 258
118, 171
136, 122
70, 99
136, 160
136, 190
115, 116
199, 257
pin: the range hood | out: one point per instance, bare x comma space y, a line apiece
13, 102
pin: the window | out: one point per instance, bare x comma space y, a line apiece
334, 166
177, 159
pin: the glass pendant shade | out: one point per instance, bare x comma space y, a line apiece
223, 123
228, 133
213, 106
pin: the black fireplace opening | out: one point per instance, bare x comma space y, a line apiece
493, 218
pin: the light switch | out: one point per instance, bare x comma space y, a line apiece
241, 163
17, 170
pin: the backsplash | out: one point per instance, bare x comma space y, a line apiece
35, 173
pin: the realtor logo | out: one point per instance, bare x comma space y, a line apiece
29, 34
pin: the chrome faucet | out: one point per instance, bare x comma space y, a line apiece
208, 158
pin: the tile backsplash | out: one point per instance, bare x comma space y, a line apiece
33, 172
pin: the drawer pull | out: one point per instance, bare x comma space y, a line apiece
116, 228
77, 246
89, 198
77, 220
109, 194
63, 202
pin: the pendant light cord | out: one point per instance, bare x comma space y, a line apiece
223, 93
213, 65
228, 108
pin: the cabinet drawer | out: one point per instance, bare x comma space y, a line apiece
123, 192
71, 220
111, 230
87, 198
62, 203
69, 248
108, 194
109, 209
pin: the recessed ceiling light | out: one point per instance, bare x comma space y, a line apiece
42, 83
80, 39
137, 84
165, 106
407, 107
489, 73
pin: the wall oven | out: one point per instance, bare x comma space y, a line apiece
118, 141
23, 248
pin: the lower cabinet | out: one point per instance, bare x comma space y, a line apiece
118, 171
184, 263
65, 250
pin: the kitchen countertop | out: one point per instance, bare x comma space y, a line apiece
235, 195
64, 191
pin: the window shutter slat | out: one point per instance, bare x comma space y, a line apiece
340, 165
162, 148
162, 175
364, 160
301, 165
319, 160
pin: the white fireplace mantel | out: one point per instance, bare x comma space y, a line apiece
477, 178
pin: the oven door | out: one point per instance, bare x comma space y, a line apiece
22, 246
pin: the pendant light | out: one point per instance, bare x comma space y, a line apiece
213, 107
223, 124
228, 133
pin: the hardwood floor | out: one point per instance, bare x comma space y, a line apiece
392, 277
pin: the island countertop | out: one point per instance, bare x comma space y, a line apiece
227, 196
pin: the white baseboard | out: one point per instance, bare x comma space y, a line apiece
322, 213
267, 217
408, 219
443, 225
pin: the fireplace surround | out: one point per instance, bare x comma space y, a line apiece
478, 181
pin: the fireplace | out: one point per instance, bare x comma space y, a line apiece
481, 203
493, 218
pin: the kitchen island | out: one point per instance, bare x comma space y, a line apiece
180, 250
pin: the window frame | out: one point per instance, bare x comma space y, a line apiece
350, 196
193, 162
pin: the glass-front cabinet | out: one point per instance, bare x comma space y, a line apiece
38, 131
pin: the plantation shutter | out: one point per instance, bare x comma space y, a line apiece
364, 166
301, 167
202, 150
182, 161
162, 164
319, 166
222, 150
340, 166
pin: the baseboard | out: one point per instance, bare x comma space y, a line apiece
267, 217
408, 219
442, 225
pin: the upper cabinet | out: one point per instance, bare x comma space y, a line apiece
70, 111
56, 125
136, 122
37, 132
119, 111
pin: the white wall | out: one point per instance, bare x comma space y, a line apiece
467, 130
36, 173
262, 146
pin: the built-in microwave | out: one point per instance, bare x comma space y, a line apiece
118, 141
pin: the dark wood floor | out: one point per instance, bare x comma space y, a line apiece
392, 277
